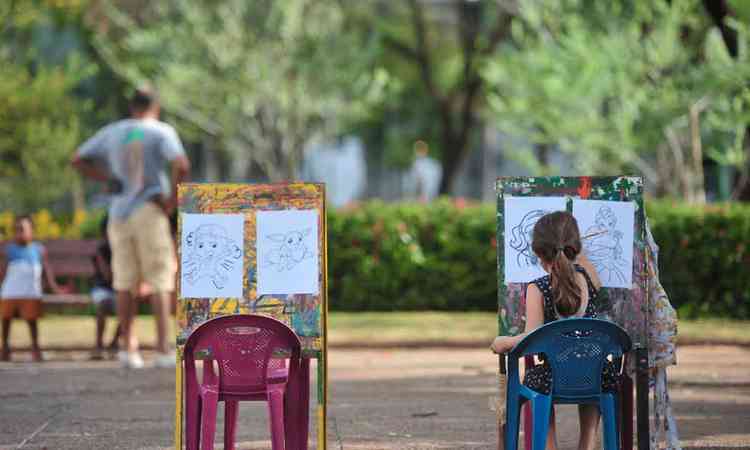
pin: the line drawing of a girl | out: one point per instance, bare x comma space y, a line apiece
521, 238
605, 250
210, 254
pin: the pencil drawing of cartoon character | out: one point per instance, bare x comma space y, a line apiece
210, 254
521, 238
289, 251
604, 250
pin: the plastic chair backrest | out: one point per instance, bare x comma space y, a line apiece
245, 347
576, 350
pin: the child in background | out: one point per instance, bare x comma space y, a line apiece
570, 290
102, 293
21, 291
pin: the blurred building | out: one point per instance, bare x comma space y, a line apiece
341, 166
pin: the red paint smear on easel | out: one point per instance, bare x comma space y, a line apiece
584, 190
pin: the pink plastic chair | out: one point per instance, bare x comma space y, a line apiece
250, 352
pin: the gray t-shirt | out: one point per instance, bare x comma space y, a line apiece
136, 153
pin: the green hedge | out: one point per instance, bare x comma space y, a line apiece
442, 256
704, 257
439, 256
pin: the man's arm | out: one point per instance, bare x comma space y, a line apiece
180, 172
88, 169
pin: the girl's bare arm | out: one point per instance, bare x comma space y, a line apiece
48, 274
584, 262
534, 319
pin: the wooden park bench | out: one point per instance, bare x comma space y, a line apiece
71, 260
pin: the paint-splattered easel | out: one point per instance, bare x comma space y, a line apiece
306, 314
627, 307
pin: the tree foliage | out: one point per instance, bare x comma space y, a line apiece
431, 57
263, 77
40, 116
659, 88
621, 87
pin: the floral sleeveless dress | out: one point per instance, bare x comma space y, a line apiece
539, 377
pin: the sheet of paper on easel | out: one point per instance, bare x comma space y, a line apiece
610, 247
212, 255
287, 252
521, 214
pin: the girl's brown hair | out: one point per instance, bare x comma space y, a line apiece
557, 242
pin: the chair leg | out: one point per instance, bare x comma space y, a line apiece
626, 391
208, 419
616, 400
296, 409
607, 405
192, 421
541, 408
303, 426
276, 414
512, 418
528, 425
230, 423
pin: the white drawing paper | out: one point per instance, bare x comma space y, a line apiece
611, 250
521, 214
288, 257
212, 255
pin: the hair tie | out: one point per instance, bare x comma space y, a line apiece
569, 251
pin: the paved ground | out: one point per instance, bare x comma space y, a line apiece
399, 399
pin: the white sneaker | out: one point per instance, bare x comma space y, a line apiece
130, 360
166, 360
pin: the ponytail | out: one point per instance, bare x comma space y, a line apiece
556, 241
564, 285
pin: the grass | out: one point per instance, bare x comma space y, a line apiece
714, 330
362, 329
411, 327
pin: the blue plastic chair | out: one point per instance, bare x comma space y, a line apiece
576, 350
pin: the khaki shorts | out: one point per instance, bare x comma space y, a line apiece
142, 251
26, 308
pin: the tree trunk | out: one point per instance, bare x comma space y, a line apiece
450, 164
742, 184
542, 154
720, 10
698, 190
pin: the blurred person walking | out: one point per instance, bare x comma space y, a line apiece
426, 173
142, 160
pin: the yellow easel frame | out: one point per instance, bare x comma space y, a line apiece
322, 366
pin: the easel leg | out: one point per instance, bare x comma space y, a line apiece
304, 390
644, 439
502, 397
627, 413
322, 378
178, 402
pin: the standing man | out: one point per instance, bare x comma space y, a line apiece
142, 161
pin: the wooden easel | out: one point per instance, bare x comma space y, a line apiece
248, 199
635, 316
